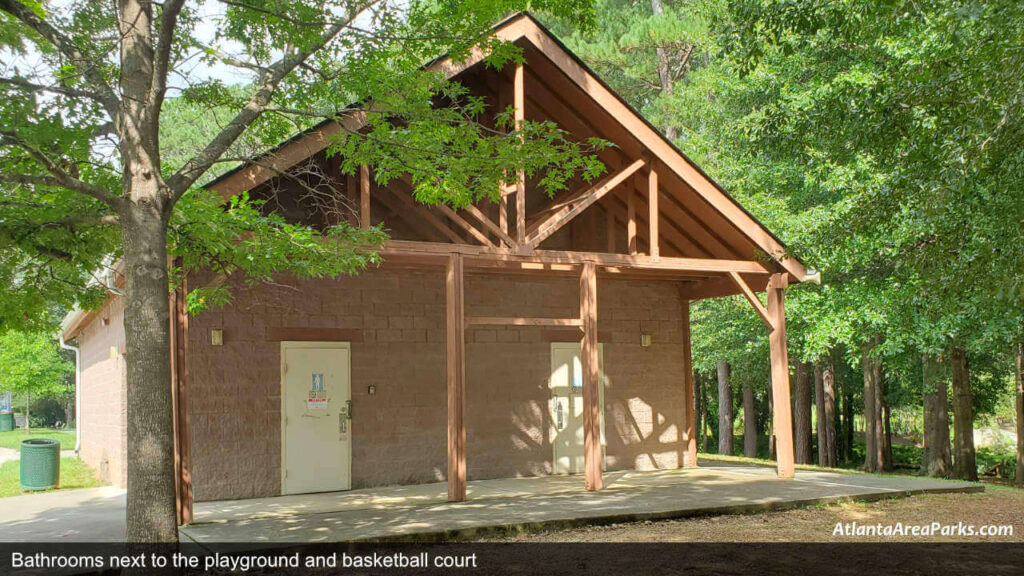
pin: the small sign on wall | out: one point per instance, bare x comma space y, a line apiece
317, 396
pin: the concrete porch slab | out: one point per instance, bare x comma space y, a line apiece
422, 512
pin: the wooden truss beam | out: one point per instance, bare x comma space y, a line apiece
427, 252
753, 299
490, 225
426, 215
462, 223
584, 200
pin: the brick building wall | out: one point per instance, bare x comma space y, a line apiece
103, 395
399, 434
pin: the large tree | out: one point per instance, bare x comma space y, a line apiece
86, 178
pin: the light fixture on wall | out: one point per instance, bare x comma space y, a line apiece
216, 337
645, 340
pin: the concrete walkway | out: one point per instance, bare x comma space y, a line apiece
422, 512
86, 515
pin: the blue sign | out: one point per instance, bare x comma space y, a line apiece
318, 382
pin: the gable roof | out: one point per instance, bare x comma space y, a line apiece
524, 29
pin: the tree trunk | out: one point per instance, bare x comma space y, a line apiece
1020, 414
887, 461
802, 414
937, 460
828, 388
872, 417
884, 462
749, 422
150, 500
724, 410
964, 465
848, 427
664, 72
819, 412
28, 401
771, 427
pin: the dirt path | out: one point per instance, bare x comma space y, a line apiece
8, 454
996, 506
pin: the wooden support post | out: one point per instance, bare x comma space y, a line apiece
456, 380
610, 221
183, 421
364, 196
519, 102
631, 220
592, 453
689, 421
652, 217
780, 375
350, 196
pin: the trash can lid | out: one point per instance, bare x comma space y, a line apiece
40, 441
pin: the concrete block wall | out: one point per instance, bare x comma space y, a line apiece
103, 417
399, 434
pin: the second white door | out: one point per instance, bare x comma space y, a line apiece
566, 406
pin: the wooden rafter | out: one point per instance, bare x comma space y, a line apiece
462, 223
428, 216
489, 224
584, 200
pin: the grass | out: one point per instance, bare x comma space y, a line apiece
73, 474
12, 438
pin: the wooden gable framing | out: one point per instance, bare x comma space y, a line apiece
652, 204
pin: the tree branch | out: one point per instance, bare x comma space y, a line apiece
164, 43
34, 87
181, 180
65, 45
60, 177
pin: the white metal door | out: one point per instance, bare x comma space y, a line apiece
316, 394
566, 406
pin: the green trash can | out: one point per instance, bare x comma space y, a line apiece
40, 463
6, 421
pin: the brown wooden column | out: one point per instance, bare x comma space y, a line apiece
689, 418
456, 380
780, 375
591, 379
519, 103
652, 215
364, 196
182, 420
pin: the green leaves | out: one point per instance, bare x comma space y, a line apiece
241, 240
30, 363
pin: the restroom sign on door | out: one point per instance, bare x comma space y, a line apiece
317, 396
